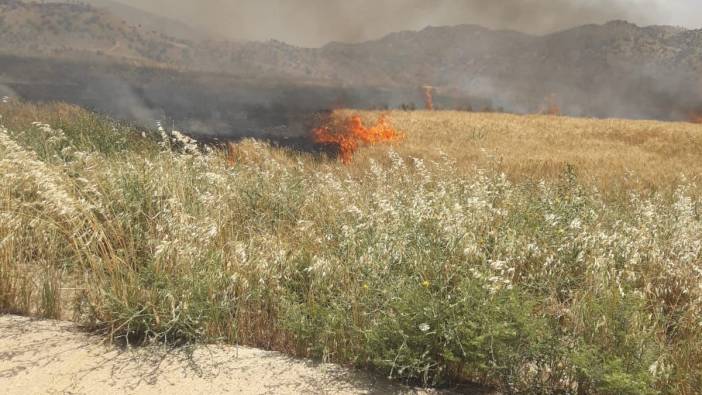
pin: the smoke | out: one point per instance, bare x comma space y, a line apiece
317, 22
545, 16
6, 91
484, 69
118, 98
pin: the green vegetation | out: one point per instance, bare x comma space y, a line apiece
396, 264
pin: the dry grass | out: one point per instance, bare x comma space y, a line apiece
427, 267
606, 153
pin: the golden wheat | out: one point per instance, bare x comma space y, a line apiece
606, 153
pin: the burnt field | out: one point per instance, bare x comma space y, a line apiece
228, 107
210, 106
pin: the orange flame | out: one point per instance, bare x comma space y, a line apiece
232, 154
551, 106
428, 97
348, 136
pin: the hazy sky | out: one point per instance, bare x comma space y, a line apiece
316, 22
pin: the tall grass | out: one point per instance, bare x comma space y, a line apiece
397, 264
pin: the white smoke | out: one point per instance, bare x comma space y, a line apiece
317, 22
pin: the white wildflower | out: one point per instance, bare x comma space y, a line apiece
576, 224
551, 219
304, 225
188, 144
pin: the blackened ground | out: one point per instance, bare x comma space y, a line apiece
208, 106
224, 107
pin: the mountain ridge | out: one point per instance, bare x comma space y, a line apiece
138, 16
612, 69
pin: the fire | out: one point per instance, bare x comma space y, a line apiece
551, 106
696, 117
348, 135
232, 154
428, 97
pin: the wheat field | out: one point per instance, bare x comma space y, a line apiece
609, 154
530, 254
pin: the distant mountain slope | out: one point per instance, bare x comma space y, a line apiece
151, 22
77, 30
615, 69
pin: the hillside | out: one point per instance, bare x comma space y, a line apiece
602, 70
81, 32
151, 22
613, 70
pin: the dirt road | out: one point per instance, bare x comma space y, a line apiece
40, 357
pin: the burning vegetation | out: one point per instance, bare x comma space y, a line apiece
551, 106
428, 92
346, 135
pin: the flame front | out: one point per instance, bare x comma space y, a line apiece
428, 97
551, 106
351, 133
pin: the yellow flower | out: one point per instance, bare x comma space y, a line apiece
426, 283
365, 286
